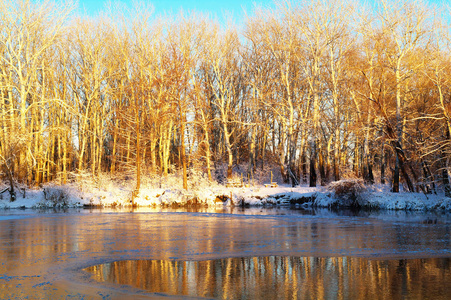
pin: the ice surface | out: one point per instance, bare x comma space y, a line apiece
43, 255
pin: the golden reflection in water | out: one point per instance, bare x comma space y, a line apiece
276, 277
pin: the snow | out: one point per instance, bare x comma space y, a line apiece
107, 192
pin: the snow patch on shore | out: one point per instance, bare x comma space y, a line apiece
108, 193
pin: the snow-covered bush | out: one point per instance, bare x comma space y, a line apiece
56, 196
348, 192
198, 180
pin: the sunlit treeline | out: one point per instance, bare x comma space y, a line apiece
283, 277
324, 89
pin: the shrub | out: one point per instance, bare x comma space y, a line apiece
348, 191
58, 197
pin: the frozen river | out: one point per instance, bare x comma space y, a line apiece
100, 254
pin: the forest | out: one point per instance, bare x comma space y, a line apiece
322, 89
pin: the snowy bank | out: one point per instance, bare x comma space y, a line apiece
108, 193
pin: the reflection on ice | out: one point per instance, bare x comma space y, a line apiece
42, 252
278, 277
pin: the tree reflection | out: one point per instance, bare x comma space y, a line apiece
285, 277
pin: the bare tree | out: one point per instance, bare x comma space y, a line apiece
225, 81
29, 31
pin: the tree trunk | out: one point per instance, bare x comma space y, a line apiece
208, 154
100, 149
228, 148
282, 154
445, 176
302, 162
368, 176
322, 170
153, 155
138, 151
429, 177
314, 137
357, 157
395, 187
336, 156
383, 162
313, 177
128, 146
94, 147
445, 180
252, 151
182, 150
64, 160
114, 150
263, 149
166, 147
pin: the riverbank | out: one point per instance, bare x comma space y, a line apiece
110, 193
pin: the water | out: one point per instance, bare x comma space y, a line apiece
282, 277
45, 254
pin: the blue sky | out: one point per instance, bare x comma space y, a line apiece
214, 7
219, 8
